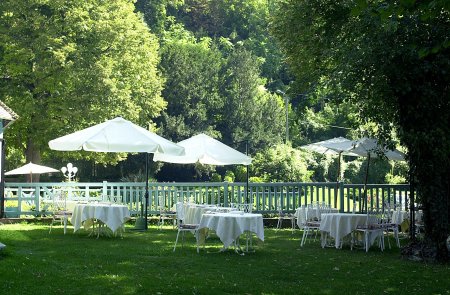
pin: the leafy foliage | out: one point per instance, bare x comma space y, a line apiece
192, 83
67, 65
391, 60
281, 163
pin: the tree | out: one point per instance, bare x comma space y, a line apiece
191, 69
66, 65
237, 22
281, 163
391, 59
250, 112
156, 13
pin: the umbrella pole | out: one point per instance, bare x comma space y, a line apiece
339, 167
337, 181
365, 181
2, 178
146, 189
246, 188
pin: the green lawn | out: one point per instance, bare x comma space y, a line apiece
36, 262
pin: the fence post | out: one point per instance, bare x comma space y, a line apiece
225, 194
341, 196
37, 194
104, 190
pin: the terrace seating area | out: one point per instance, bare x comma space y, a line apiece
188, 210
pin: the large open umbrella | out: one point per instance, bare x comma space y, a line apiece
365, 147
334, 146
31, 169
207, 150
118, 135
369, 147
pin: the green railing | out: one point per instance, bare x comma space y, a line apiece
35, 199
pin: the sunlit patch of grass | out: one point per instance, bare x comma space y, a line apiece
36, 262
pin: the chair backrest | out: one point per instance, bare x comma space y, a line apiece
247, 208
161, 203
180, 212
59, 201
389, 209
279, 206
374, 217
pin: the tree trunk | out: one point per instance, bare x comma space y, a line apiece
32, 154
433, 190
425, 132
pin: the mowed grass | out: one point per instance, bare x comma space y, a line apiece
36, 262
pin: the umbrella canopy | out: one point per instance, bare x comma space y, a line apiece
117, 135
333, 146
31, 169
205, 150
366, 147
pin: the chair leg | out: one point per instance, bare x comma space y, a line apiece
197, 240
65, 224
305, 234
182, 239
315, 235
176, 241
387, 236
397, 240
352, 241
366, 240
51, 225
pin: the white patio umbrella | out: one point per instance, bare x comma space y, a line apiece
334, 146
31, 169
117, 135
206, 150
366, 147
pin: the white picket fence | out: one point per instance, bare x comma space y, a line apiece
33, 199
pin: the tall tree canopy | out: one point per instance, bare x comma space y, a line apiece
65, 65
391, 59
192, 70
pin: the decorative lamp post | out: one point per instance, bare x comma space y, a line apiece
69, 171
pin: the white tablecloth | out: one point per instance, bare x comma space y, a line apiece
193, 212
302, 213
338, 225
399, 216
229, 226
112, 215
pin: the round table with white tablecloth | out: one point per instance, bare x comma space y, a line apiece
304, 214
402, 218
112, 215
338, 225
193, 212
229, 226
